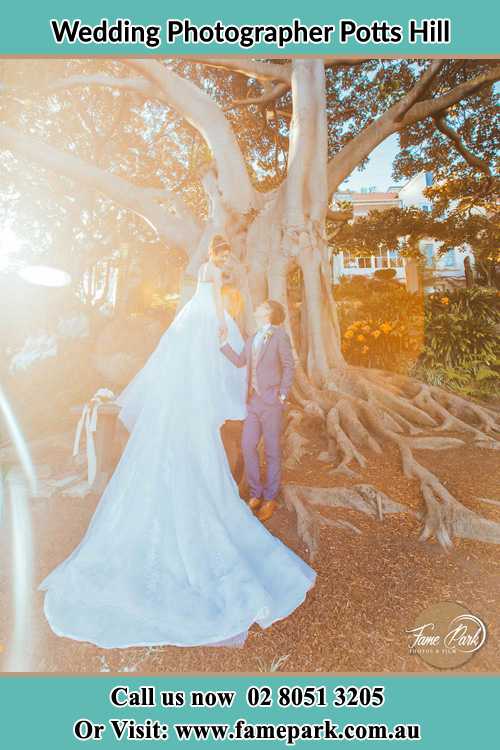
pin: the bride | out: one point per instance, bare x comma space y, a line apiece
172, 554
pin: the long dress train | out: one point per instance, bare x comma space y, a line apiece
172, 554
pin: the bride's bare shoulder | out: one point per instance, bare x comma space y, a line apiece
209, 272
203, 272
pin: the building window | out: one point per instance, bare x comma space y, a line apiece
428, 251
388, 259
448, 259
383, 259
353, 261
349, 260
395, 260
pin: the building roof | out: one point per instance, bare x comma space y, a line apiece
367, 197
358, 196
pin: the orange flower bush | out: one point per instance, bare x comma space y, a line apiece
383, 343
387, 332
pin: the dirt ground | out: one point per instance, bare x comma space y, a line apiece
370, 587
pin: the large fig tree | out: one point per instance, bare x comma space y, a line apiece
279, 138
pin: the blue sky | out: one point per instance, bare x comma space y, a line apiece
378, 170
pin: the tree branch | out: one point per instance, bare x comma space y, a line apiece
262, 71
178, 232
272, 94
337, 62
170, 200
197, 107
446, 129
428, 107
361, 146
420, 88
203, 113
343, 163
136, 85
268, 70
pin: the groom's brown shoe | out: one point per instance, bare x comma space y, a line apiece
267, 510
254, 503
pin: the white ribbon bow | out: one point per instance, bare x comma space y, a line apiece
89, 419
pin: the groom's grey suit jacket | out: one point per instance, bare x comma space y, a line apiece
275, 365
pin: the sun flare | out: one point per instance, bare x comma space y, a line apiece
10, 246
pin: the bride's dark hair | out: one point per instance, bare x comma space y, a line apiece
218, 246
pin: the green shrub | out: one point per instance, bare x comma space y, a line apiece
460, 328
462, 342
351, 287
385, 274
475, 379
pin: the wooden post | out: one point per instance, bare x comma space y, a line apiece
469, 276
104, 444
412, 276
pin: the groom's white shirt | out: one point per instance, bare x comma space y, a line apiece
259, 336
257, 339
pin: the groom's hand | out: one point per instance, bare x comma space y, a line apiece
223, 334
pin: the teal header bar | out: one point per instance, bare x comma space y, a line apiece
45, 712
369, 29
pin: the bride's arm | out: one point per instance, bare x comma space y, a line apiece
216, 275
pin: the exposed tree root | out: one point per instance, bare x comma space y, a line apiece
363, 410
295, 443
362, 497
488, 500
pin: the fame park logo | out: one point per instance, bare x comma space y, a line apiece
446, 635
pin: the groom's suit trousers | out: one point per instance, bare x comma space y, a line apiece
263, 420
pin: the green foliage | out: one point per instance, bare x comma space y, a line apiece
462, 342
464, 213
379, 296
399, 229
385, 274
460, 327
425, 148
475, 379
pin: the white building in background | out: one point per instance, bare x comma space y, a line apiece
449, 266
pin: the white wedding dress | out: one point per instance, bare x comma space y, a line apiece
172, 554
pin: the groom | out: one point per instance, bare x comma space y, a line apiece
270, 366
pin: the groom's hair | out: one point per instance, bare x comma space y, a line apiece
277, 312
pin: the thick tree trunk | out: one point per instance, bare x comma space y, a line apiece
290, 231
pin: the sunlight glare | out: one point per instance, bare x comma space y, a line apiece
10, 245
45, 276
